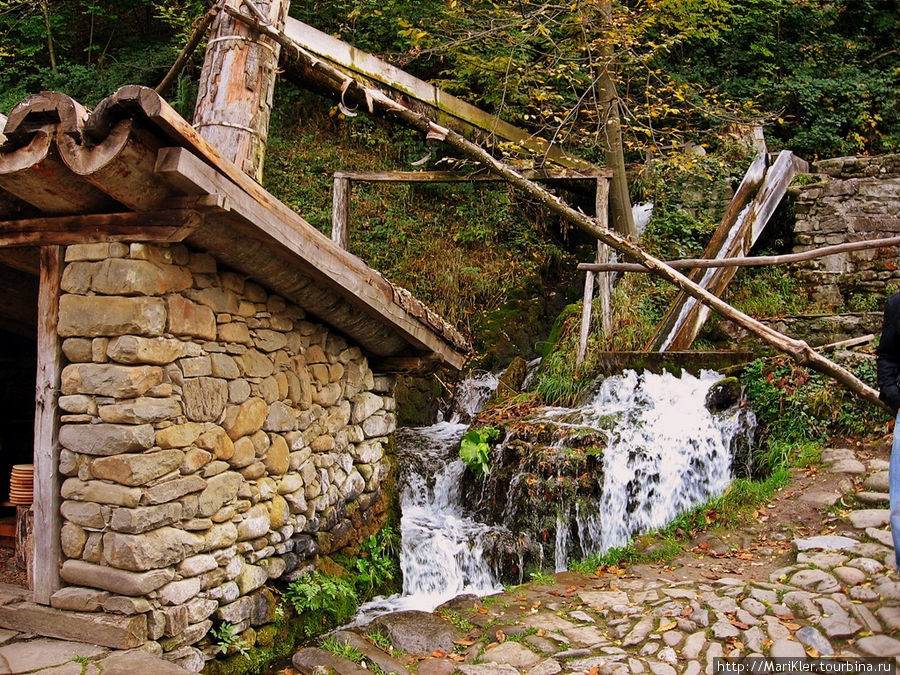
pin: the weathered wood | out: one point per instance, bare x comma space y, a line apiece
2, 127
201, 26
340, 212
24, 551
47, 548
479, 175
18, 300
446, 108
405, 365
155, 226
852, 342
604, 280
585, 331
613, 363
755, 261
373, 312
682, 323
237, 85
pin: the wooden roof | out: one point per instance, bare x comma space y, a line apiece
134, 170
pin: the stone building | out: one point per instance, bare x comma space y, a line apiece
214, 376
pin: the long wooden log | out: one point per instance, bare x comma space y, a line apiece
237, 84
797, 349
755, 261
467, 176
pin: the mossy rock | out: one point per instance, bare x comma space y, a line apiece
417, 400
723, 394
510, 383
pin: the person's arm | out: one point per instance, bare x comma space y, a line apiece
889, 354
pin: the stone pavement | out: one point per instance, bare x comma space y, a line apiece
27, 653
839, 596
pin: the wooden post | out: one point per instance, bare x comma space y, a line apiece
47, 548
340, 212
585, 317
604, 279
237, 84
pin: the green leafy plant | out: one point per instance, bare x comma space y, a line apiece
338, 648
378, 562
475, 449
226, 638
541, 577
322, 598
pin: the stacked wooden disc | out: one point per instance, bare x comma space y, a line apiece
21, 484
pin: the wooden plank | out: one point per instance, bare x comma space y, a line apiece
47, 548
340, 212
755, 261
338, 270
451, 111
405, 365
585, 317
155, 226
466, 177
604, 279
736, 235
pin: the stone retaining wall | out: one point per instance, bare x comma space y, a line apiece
858, 198
213, 438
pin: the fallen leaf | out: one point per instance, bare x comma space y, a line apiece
792, 626
668, 625
482, 610
541, 632
501, 636
492, 645
536, 605
438, 654
594, 671
459, 658
464, 643
742, 625
812, 652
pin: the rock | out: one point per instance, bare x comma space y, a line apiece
820, 498
173, 489
365, 404
881, 536
723, 629
822, 560
545, 667
245, 419
131, 349
141, 411
831, 455
94, 316
878, 645
851, 466
80, 573
22, 657
256, 523
135, 521
220, 490
878, 481
864, 518
723, 394
868, 497
867, 565
139, 552
98, 491
254, 364
136, 469
314, 661
281, 417
106, 439
825, 543
137, 661
108, 379
640, 631
189, 319
849, 575
693, 645
251, 578
838, 626
204, 398
785, 648
179, 592
487, 669
511, 653
78, 599
416, 632
179, 435
810, 637
122, 604
603, 599
139, 277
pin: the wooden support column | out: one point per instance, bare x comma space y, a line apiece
604, 279
237, 83
47, 549
585, 317
340, 212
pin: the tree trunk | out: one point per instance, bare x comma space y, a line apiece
237, 84
619, 200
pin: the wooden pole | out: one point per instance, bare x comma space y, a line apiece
797, 349
237, 84
200, 28
340, 212
47, 545
755, 261
585, 317
604, 280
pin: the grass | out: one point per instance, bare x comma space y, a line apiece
453, 617
338, 648
731, 509
541, 577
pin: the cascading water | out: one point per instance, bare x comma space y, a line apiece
663, 453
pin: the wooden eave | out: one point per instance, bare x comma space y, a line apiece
134, 170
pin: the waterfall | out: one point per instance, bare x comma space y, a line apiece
664, 453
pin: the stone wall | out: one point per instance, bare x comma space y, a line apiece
213, 439
857, 198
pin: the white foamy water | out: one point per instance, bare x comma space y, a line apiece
666, 453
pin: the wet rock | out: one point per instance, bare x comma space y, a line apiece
810, 637
310, 660
416, 632
723, 394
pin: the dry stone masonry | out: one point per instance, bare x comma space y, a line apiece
213, 438
856, 199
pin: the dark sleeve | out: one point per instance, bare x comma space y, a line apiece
889, 354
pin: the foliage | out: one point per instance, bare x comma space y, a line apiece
335, 646
321, 599
798, 409
541, 577
475, 449
226, 639
377, 563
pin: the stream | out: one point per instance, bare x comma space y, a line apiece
665, 453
